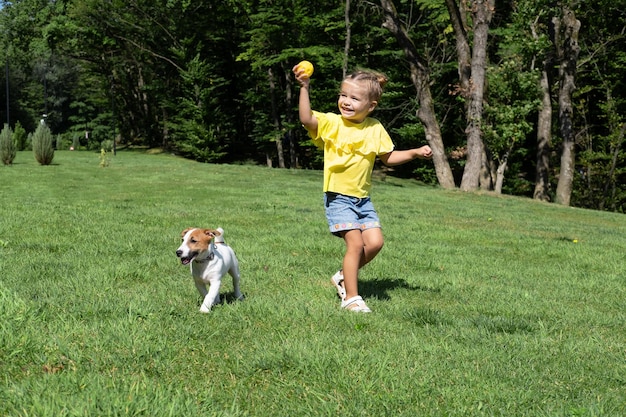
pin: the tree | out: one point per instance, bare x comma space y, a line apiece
271, 55
544, 119
421, 81
43, 147
19, 136
474, 87
513, 97
599, 108
7, 146
156, 74
567, 50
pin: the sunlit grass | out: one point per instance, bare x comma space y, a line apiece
483, 305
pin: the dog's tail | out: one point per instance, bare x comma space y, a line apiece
220, 238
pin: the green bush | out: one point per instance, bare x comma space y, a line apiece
43, 145
7, 147
20, 137
107, 145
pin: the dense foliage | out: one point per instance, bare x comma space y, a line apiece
212, 81
7, 146
42, 143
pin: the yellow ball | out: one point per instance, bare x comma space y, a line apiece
307, 67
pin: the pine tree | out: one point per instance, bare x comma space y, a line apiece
7, 147
42, 145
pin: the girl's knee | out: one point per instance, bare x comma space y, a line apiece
374, 240
375, 247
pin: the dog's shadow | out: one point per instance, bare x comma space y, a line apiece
225, 298
380, 287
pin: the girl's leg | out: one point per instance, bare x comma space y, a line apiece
361, 248
352, 261
372, 244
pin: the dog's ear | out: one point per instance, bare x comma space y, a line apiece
184, 232
211, 232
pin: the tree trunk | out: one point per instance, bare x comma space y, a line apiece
463, 50
420, 77
346, 47
500, 171
482, 12
457, 14
276, 119
289, 119
544, 138
500, 176
487, 171
544, 127
568, 56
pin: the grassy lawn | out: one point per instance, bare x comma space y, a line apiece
483, 305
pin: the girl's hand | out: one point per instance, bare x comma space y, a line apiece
425, 152
301, 76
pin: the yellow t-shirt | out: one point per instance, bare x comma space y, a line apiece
350, 150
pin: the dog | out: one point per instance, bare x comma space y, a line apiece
210, 258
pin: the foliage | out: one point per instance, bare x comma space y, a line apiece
43, 146
155, 74
193, 129
508, 114
20, 137
100, 318
7, 145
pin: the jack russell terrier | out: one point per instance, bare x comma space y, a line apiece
210, 258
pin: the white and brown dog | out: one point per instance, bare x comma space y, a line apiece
210, 259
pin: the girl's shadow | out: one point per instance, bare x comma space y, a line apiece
379, 287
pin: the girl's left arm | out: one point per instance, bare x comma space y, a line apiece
401, 157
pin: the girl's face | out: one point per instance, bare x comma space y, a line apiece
354, 102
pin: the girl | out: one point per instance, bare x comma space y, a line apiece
351, 141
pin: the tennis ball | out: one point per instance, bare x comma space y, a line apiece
307, 67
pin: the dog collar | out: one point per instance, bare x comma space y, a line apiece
211, 254
207, 259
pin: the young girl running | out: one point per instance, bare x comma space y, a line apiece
351, 141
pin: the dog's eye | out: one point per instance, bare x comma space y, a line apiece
193, 240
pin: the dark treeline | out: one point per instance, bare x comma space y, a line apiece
524, 98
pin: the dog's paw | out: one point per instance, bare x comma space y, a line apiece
204, 309
241, 297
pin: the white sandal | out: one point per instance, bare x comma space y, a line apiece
355, 304
337, 281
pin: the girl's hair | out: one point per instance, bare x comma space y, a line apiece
374, 80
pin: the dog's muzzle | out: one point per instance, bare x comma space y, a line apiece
185, 260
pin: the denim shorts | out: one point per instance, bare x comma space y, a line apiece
348, 213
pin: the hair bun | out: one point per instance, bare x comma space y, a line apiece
382, 79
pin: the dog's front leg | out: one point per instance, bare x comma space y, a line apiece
201, 286
212, 297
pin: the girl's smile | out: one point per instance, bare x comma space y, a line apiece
354, 102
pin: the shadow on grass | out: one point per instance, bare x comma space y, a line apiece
225, 298
380, 287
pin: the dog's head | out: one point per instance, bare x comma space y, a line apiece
195, 242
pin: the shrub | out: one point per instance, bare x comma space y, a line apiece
107, 145
43, 145
7, 147
104, 158
19, 137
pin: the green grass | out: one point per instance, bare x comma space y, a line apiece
483, 305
